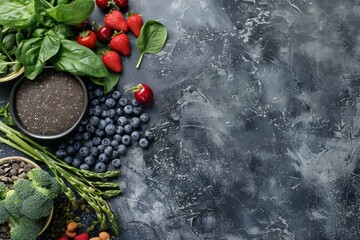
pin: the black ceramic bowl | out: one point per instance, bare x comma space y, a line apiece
43, 113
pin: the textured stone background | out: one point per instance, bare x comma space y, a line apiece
257, 123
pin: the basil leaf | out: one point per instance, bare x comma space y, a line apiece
18, 14
72, 13
152, 39
9, 41
79, 60
4, 112
40, 50
108, 82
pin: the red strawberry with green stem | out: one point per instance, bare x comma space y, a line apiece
120, 42
112, 61
115, 20
134, 22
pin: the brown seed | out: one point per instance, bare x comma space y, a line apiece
7, 169
2, 172
15, 166
22, 164
28, 168
13, 172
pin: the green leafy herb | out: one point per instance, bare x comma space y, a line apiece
4, 112
109, 82
152, 39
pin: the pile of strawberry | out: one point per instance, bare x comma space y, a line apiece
113, 32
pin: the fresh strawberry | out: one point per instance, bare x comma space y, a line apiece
121, 43
134, 22
115, 20
104, 33
83, 236
121, 3
102, 4
112, 61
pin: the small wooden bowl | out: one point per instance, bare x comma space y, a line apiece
12, 76
28, 161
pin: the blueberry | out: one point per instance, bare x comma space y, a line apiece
114, 154
90, 160
108, 150
117, 137
137, 111
110, 129
100, 167
86, 136
102, 124
80, 129
121, 149
89, 143
121, 121
110, 102
128, 128
144, 117
119, 111
78, 136
149, 135
108, 120
126, 140
116, 163
135, 135
99, 132
93, 151
102, 99
62, 146
123, 102
143, 143
106, 142
111, 113
91, 95
94, 102
84, 121
135, 102
96, 111
103, 158
98, 92
77, 145
128, 109
104, 113
90, 128
116, 95
70, 141
94, 120
97, 141
61, 153
84, 166
76, 162
135, 122
70, 150
114, 143
100, 148
84, 151
68, 159
119, 129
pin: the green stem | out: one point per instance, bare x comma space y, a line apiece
8, 63
140, 59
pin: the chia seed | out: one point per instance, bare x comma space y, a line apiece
50, 104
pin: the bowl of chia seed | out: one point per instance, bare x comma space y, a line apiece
50, 106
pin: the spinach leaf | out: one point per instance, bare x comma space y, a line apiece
79, 60
40, 50
108, 82
72, 13
9, 41
3, 65
18, 14
4, 112
152, 39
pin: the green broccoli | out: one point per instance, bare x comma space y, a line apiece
42, 179
37, 206
24, 188
13, 203
4, 213
24, 228
3, 190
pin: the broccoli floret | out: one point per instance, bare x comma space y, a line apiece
3, 190
43, 179
24, 228
4, 213
24, 188
37, 206
13, 203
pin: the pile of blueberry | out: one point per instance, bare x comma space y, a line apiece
112, 124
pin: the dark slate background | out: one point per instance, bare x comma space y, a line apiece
256, 118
